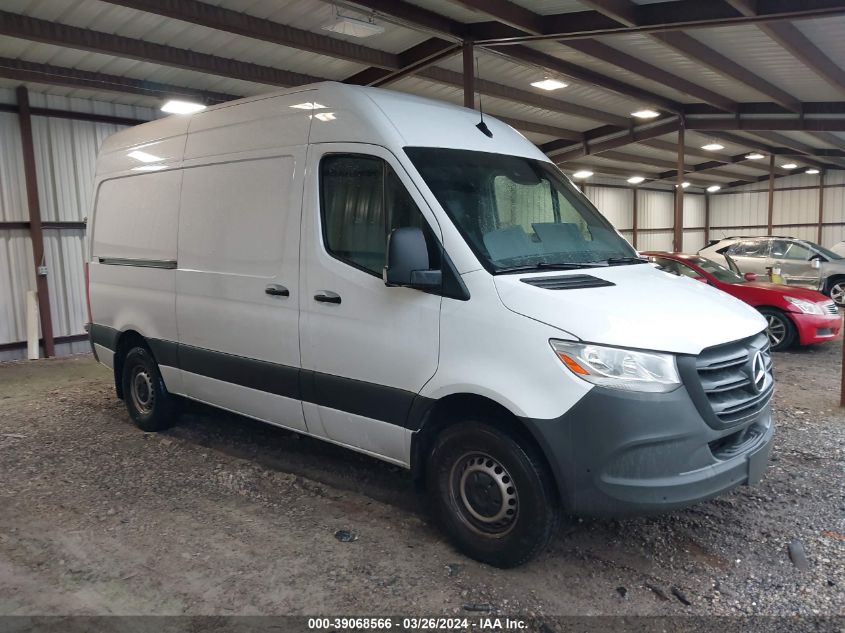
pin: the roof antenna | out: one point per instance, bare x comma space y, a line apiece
481, 125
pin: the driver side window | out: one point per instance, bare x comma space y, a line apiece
361, 201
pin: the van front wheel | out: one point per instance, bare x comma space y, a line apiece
150, 405
491, 494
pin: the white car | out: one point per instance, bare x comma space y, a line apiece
383, 272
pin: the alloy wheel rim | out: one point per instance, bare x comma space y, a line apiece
837, 293
485, 494
776, 330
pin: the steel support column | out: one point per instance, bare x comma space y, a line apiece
469, 75
635, 220
821, 206
706, 218
35, 230
678, 242
771, 213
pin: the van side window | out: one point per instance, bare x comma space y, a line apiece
361, 201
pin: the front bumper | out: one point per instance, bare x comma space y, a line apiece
816, 328
618, 453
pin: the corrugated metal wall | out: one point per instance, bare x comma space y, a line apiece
656, 215
795, 208
65, 153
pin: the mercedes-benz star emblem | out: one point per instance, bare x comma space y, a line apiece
758, 372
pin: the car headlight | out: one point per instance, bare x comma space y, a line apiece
619, 368
807, 307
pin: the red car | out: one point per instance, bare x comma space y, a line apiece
794, 314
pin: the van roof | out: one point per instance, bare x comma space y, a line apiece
359, 114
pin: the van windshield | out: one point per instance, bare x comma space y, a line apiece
518, 213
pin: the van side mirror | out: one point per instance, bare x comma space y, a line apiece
407, 261
750, 276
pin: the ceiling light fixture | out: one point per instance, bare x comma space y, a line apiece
754, 156
685, 184
584, 173
353, 27
713, 147
789, 165
645, 114
713, 188
812, 171
324, 116
175, 106
549, 84
635, 180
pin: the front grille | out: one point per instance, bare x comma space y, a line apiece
830, 308
726, 376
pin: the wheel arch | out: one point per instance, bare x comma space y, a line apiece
126, 340
459, 406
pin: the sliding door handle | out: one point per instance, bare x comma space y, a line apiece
327, 296
277, 290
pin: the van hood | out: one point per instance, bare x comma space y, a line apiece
644, 308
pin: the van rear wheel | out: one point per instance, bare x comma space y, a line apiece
491, 494
150, 405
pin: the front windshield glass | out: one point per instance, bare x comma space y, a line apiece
721, 273
518, 212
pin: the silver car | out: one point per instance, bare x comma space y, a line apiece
801, 263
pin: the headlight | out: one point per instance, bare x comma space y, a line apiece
806, 307
619, 368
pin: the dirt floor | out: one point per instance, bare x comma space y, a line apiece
221, 515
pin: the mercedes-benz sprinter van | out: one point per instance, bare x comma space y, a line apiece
382, 272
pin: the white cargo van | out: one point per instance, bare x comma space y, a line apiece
376, 270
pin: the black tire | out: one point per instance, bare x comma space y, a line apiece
780, 329
492, 494
836, 291
150, 405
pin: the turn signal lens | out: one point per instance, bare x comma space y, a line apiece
574, 367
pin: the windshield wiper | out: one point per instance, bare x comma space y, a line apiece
621, 261
548, 266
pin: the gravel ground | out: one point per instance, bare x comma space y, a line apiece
224, 516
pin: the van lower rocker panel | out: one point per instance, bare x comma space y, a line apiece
379, 418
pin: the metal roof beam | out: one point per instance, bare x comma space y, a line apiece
500, 91
522, 54
624, 12
238, 23
645, 18
803, 149
798, 44
411, 61
23, 71
751, 124
48, 32
528, 21
604, 138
